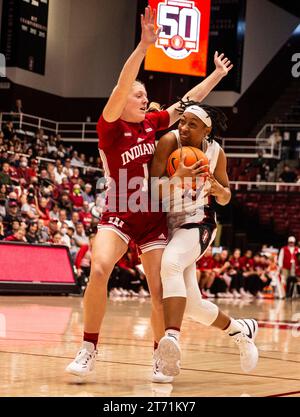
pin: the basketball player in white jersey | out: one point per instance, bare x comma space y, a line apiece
192, 229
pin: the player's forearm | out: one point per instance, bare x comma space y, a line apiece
224, 197
131, 68
200, 91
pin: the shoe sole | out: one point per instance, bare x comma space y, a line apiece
170, 355
159, 380
78, 374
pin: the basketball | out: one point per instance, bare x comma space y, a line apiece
192, 156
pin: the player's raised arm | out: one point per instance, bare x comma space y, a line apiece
200, 91
118, 98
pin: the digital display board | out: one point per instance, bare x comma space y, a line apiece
35, 264
226, 33
24, 34
183, 41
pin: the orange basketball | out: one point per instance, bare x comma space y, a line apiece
192, 156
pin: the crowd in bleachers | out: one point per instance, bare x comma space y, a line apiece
228, 275
262, 169
47, 190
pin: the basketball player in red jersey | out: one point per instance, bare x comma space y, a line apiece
126, 142
192, 229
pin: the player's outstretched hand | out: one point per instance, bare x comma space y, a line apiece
149, 34
223, 65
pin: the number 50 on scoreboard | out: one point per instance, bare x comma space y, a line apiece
183, 42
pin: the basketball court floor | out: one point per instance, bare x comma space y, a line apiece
40, 335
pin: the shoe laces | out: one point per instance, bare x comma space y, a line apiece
84, 356
242, 341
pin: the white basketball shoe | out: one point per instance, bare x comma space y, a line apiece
85, 361
245, 342
157, 375
169, 355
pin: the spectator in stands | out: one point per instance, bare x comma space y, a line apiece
65, 185
51, 146
57, 239
23, 171
64, 232
28, 208
61, 151
43, 232
32, 232
220, 285
18, 236
76, 161
55, 212
8, 130
288, 261
65, 203
76, 198
73, 247
87, 195
288, 174
275, 139
59, 174
79, 235
42, 208
34, 168
85, 215
68, 170
205, 274
235, 273
83, 262
74, 218
53, 227
13, 214
62, 216
5, 174
18, 108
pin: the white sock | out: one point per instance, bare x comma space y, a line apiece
233, 327
173, 333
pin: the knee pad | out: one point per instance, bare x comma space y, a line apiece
172, 277
202, 311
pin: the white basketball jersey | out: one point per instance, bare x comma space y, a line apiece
186, 205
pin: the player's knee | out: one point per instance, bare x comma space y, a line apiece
100, 272
202, 311
170, 265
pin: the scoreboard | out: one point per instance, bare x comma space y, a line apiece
24, 34
183, 42
192, 30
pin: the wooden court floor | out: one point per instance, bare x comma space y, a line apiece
40, 335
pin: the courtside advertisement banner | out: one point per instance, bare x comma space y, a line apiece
183, 42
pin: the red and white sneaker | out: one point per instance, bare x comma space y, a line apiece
85, 361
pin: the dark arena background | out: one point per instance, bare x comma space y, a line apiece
59, 63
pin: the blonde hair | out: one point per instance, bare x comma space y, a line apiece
137, 83
153, 106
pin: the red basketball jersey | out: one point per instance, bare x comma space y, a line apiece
126, 150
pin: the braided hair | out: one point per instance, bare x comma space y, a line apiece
218, 118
